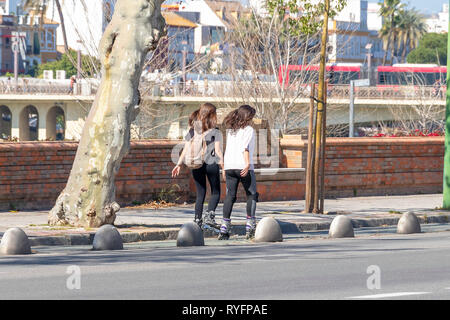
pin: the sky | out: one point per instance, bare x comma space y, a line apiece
424, 6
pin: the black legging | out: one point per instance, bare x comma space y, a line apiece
211, 171
249, 184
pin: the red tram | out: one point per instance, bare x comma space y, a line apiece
386, 76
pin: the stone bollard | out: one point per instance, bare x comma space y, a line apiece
341, 227
107, 238
268, 230
408, 223
15, 241
190, 235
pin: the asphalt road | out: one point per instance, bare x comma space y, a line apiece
370, 266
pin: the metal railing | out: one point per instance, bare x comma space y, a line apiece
389, 92
334, 92
10, 87
229, 90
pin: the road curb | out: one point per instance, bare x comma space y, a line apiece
287, 227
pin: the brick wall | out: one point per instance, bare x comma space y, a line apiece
375, 166
33, 174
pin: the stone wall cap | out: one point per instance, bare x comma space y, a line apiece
286, 143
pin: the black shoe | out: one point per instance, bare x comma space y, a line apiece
224, 236
250, 228
250, 234
199, 222
225, 230
210, 218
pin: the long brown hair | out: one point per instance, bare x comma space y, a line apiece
239, 118
206, 115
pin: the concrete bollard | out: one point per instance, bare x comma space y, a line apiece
408, 223
268, 230
107, 238
15, 241
341, 227
190, 235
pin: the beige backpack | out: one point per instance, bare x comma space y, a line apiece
196, 150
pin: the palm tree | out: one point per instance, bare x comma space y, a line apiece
411, 28
389, 10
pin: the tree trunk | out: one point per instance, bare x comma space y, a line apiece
321, 105
63, 26
88, 199
386, 53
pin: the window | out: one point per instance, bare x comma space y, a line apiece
50, 39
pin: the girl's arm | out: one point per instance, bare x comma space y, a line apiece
176, 170
218, 150
244, 171
248, 136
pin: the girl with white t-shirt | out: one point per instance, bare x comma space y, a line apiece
239, 167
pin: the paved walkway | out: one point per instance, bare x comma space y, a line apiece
162, 224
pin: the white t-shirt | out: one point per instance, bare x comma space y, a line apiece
237, 142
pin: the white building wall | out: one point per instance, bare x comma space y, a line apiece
197, 39
361, 22
351, 13
11, 6
84, 21
259, 7
439, 24
207, 16
374, 20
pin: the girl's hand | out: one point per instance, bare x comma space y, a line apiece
224, 175
244, 171
176, 171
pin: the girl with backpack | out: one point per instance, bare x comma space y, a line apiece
239, 167
202, 153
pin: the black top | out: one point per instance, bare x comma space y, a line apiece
212, 136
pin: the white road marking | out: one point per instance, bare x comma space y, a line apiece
389, 295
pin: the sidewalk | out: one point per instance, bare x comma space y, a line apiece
163, 224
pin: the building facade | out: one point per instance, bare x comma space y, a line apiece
439, 23
36, 41
10, 7
210, 30
85, 21
353, 31
177, 49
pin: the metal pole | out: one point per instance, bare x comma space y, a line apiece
322, 156
351, 111
79, 64
16, 61
446, 183
184, 69
369, 63
309, 159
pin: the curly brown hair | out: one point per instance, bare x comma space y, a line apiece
206, 115
239, 118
